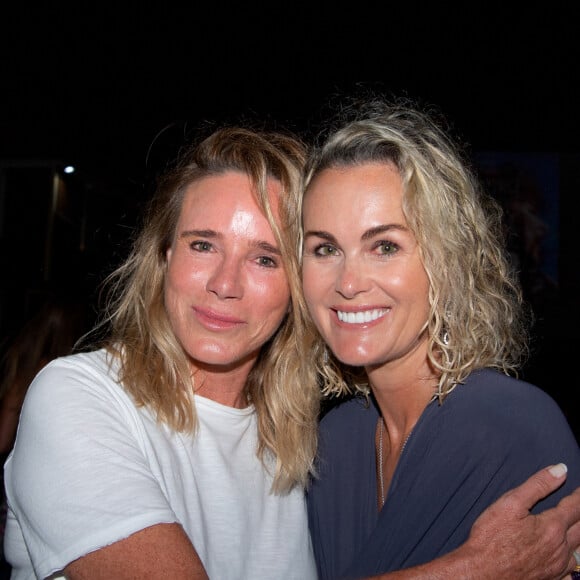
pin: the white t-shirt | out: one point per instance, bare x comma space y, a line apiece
90, 468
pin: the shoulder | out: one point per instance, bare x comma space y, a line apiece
496, 408
76, 410
87, 370
488, 390
496, 422
75, 385
95, 363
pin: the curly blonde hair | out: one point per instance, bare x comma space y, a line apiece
154, 366
477, 315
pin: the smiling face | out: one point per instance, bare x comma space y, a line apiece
364, 281
226, 291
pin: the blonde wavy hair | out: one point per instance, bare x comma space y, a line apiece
477, 315
154, 366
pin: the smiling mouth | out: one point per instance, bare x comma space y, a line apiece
361, 317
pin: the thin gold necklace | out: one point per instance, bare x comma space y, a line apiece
381, 476
381, 466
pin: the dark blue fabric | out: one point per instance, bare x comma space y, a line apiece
489, 435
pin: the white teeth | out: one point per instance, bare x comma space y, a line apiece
361, 317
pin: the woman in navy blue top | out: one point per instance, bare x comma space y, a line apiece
409, 285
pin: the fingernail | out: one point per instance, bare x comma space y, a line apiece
558, 470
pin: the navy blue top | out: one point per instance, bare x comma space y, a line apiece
488, 436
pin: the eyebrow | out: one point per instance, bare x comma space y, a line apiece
199, 234
376, 231
368, 235
319, 234
212, 235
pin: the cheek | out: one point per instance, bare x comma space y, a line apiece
179, 289
414, 287
313, 302
311, 282
171, 295
172, 270
279, 297
409, 278
272, 303
268, 293
180, 275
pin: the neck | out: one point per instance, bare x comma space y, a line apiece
225, 386
401, 395
402, 390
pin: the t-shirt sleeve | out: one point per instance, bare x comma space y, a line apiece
79, 478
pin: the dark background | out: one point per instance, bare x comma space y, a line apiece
114, 90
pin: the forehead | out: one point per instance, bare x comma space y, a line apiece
226, 198
227, 188
356, 189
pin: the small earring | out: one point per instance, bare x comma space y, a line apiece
445, 338
325, 356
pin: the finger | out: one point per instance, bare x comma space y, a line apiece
573, 536
569, 511
539, 486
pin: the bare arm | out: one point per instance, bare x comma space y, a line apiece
160, 551
507, 541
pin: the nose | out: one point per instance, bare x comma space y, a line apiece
226, 280
351, 279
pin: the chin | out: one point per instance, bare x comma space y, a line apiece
212, 356
356, 359
223, 359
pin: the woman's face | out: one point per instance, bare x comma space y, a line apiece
226, 291
364, 281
